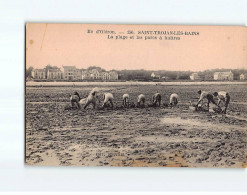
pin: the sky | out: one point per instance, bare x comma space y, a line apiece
71, 44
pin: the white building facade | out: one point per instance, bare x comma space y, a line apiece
222, 76
194, 76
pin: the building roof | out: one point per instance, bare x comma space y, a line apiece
86, 72
228, 72
54, 70
112, 72
94, 71
102, 73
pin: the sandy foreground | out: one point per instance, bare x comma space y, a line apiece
152, 137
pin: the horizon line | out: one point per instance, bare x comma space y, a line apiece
242, 68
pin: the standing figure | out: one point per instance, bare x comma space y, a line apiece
205, 95
156, 99
126, 100
174, 99
141, 98
108, 97
74, 99
223, 96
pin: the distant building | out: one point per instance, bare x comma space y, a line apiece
78, 74
194, 76
155, 76
86, 75
105, 76
54, 74
113, 75
39, 74
71, 73
95, 74
243, 77
164, 78
221, 76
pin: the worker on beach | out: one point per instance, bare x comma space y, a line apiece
156, 99
173, 99
92, 98
126, 100
222, 96
141, 98
205, 95
74, 99
108, 97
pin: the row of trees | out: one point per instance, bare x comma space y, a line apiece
206, 75
146, 75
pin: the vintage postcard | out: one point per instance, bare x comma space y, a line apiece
136, 95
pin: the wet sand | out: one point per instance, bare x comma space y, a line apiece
169, 137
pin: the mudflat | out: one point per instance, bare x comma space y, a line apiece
149, 136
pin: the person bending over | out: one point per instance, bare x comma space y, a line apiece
156, 99
222, 96
174, 99
92, 98
126, 100
108, 97
205, 95
141, 98
74, 99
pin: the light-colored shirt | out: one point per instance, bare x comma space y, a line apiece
173, 97
83, 101
156, 94
108, 96
91, 98
140, 98
126, 96
94, 90
203, 95
222, 95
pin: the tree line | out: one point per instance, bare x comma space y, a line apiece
206, 75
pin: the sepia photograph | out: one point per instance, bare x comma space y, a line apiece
116, 95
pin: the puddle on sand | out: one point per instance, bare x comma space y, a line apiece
180, 121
